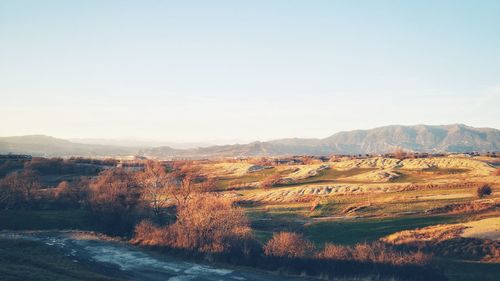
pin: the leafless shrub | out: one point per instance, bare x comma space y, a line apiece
148, 234
288, 244
206, 223
19, 188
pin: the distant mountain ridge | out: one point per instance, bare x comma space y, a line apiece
421, 138
41, 145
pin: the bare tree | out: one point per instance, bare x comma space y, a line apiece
114, 190
20, 186
400, 153
205, 223
115, 199
155, 184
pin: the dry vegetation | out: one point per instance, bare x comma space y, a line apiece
375, 252
262, 209
476, 240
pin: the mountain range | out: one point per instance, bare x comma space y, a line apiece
419, 138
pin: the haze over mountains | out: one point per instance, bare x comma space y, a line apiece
421, 138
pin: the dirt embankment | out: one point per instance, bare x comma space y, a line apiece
467, 207
385, 175
294, 194
475, 240
305, 171
483, 229
476, 167
231, 169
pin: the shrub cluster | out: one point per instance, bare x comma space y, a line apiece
483, 190
377, 252
289, 244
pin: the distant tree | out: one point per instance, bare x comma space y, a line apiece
400, 153
308, 160
483, 190
334, 158
288, 244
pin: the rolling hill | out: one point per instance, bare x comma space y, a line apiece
421, 138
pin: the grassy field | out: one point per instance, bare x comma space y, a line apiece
28, 260
331, 176
343, 218
45, 219
468, 271
249, 178
359, 230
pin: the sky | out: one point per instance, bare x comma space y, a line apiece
190, 71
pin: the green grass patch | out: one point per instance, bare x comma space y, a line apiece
360, 230
29, 260
466, 271
248, 178
45, 219
331, 176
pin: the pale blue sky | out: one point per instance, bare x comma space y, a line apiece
248, 70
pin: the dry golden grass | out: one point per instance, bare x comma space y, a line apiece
466, 207
497, 172
483, 229
433, 233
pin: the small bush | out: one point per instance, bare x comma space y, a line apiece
148, 234
288, 244
483, 190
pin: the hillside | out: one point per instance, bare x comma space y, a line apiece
40, 145
421, 138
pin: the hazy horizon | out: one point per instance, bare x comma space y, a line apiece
194, 71
152, 142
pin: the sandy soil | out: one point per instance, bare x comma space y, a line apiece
476, 167
385, 175
445, 196
293, 194
484, 229
229, 169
